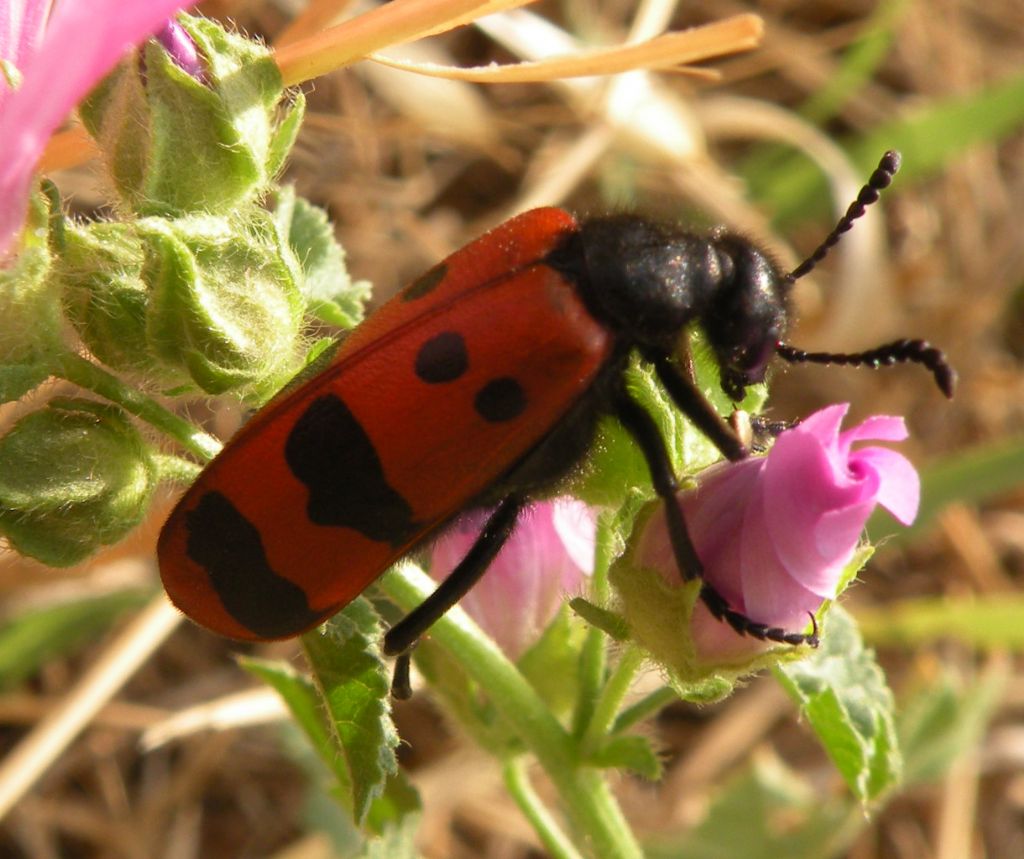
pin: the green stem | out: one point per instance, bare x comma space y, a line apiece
593, 655
517, 780
176, 469
611, 697
646, 706
586, 797
93, 378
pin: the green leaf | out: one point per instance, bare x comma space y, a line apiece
858, 63
843, 694
300, 695
928, 138
945, 718
344, 707
768, 813
355, 685
331, 294
393, 820
617, 469
983, 621
631, 752
33, 638
550, 662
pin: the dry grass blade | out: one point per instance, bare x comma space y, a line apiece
397, 22
317, 15
131, 649
668, 51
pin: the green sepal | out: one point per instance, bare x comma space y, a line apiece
116, 115
630, 751
74, 476
225, 305
609, 622
104, 293
16, 380
28, 296
284, 135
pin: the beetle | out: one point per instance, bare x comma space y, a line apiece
479, 385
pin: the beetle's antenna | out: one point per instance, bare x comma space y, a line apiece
869, 194
897, 352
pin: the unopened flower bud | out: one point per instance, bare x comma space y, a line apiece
182, 136
225, 304
105, 294
74, 476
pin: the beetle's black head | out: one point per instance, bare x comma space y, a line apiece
747, 314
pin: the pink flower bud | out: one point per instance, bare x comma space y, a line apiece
777, 533
547, 558
182, 49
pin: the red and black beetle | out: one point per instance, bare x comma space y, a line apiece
480, 384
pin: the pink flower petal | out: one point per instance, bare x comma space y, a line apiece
82, 42
804, 480
899, 489
875, 428
836, 534
21, 28
776, 533
576, 525
878, 428
714, 510
770, 595
546, 558
824, 424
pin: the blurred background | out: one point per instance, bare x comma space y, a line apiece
411, 168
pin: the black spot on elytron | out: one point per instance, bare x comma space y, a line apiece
500, 400
229, 548
329, 451
442, 358
425, 283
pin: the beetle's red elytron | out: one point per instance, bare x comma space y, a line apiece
478, 385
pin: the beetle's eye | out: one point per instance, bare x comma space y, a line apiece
754, 358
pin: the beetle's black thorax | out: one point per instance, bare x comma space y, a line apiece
643, 280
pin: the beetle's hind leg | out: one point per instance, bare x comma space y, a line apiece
400, 639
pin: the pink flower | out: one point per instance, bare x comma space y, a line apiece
776, 533
58, 58
547, 558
